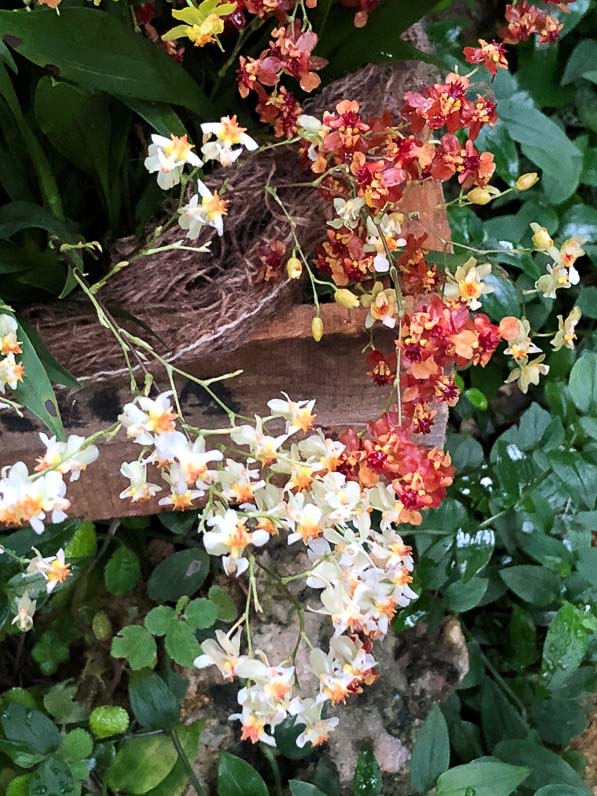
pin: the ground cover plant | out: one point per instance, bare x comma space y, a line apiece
497, 527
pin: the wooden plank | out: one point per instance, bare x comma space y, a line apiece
281, 355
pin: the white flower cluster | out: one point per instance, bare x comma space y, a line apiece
34, 497
11, 371
224, 142
286, 485
561, 273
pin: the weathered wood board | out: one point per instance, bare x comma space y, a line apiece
280, 356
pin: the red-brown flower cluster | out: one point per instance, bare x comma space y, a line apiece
525, 20
419, 475
289, 53
272, 255
491, 54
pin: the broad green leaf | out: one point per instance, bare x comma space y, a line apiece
579, 221
30, 728
499, 719
137, 645
53, 776
237, 778
92, 48
159, 619
153, 703
57, 373
179, 522
545, 767
286, 734
298, 788
61, 704
181, 644
535, 585
160, 116
463, 595
431, 751
177, 780
179, 575
484, 777
559, 719
35, 390
560, 790
141, 764
504, 300
566, 643
497, 140
201, 613
577, 475
473, 551
367, 780
582, 63
123, 571
583, 383
78, 125
587, 565
76, 745
17, 216
521, 645
543, 142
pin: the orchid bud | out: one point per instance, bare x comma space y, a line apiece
346, 298
294, 268
541, 239
479, 196
526, 181
317, 328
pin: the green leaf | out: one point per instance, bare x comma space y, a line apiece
476, 398
106, 721
473, 551
56, 372
181, 644
535, 585
544, 143
30, 728
35, 390
179, 575
61, 704
521, 646
135, 644
78, 125
587, 565
582, 63
583, 383
559, 719
560, 790
96, 50
431, 751
298, 788
141, 764
463, 595
159, 619
123, 571
177, 780
367, 780
546, 767
17, 216
566, 644
504, 300
237, 778
484, 777
83, 543
153, 703
224, 603
76, 745
581, 221
499, 719
577, 475
53, 776
201, 614
161, 117
497, 140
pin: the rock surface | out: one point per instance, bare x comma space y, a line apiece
416, 669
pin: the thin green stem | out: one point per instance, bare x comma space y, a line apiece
186, 763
